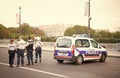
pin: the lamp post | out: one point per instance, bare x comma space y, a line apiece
20, 20
89, 18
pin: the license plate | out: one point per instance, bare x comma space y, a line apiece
62, 54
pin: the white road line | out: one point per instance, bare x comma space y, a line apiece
41, 71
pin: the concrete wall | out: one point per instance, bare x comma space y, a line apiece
109, 46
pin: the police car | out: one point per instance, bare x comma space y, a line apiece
78, 49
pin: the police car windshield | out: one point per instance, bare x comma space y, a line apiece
64, 43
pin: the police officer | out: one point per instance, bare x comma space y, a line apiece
20, 51
38, 49
11, 52
29, 49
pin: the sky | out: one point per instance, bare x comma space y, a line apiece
105, 14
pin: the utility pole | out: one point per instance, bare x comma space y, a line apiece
20, 20
89, 18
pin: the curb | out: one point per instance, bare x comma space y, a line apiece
48, 50
113, 56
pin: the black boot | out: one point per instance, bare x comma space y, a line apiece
28, 64
17, 66
32, 62
11, 65
35, 61
40, 60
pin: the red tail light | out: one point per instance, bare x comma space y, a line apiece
54, 48
73, 49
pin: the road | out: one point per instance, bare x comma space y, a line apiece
49, 68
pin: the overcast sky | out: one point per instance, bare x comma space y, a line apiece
105, 13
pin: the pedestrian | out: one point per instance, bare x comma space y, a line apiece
20, 51
38, 49
11, 52
29, 49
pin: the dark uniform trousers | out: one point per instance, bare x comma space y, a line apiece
20, 54
30, 56
38, 54
11, 56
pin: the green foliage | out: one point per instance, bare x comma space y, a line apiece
4, 32
116, 34
48, 39
38, 32
77, 29
14, 32
105, 34
69, 31
108, 40
25, 29
102, 36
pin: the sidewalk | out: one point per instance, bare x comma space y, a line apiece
51, 49
114, 54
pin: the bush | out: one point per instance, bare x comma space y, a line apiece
108, 40
48, 39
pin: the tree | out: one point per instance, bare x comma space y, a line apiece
105, 34
4, 32
25, 29
69, 31
77, 29
117, 34
38, 31
14, 32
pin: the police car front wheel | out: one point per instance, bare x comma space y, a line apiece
103, 58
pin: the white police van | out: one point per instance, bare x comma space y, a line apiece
78, 49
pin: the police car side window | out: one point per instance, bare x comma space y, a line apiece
94, 44
82, 43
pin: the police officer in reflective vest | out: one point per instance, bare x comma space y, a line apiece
20, 51
38, 49
11, 52
29, 49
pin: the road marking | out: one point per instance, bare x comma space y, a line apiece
41, 71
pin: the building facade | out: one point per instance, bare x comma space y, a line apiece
54, 30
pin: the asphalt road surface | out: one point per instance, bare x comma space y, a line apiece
49, 68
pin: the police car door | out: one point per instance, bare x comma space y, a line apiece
94, 50
82, 47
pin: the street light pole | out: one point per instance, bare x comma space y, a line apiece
89, 18
20, 20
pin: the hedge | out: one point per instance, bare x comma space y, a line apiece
108, 40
